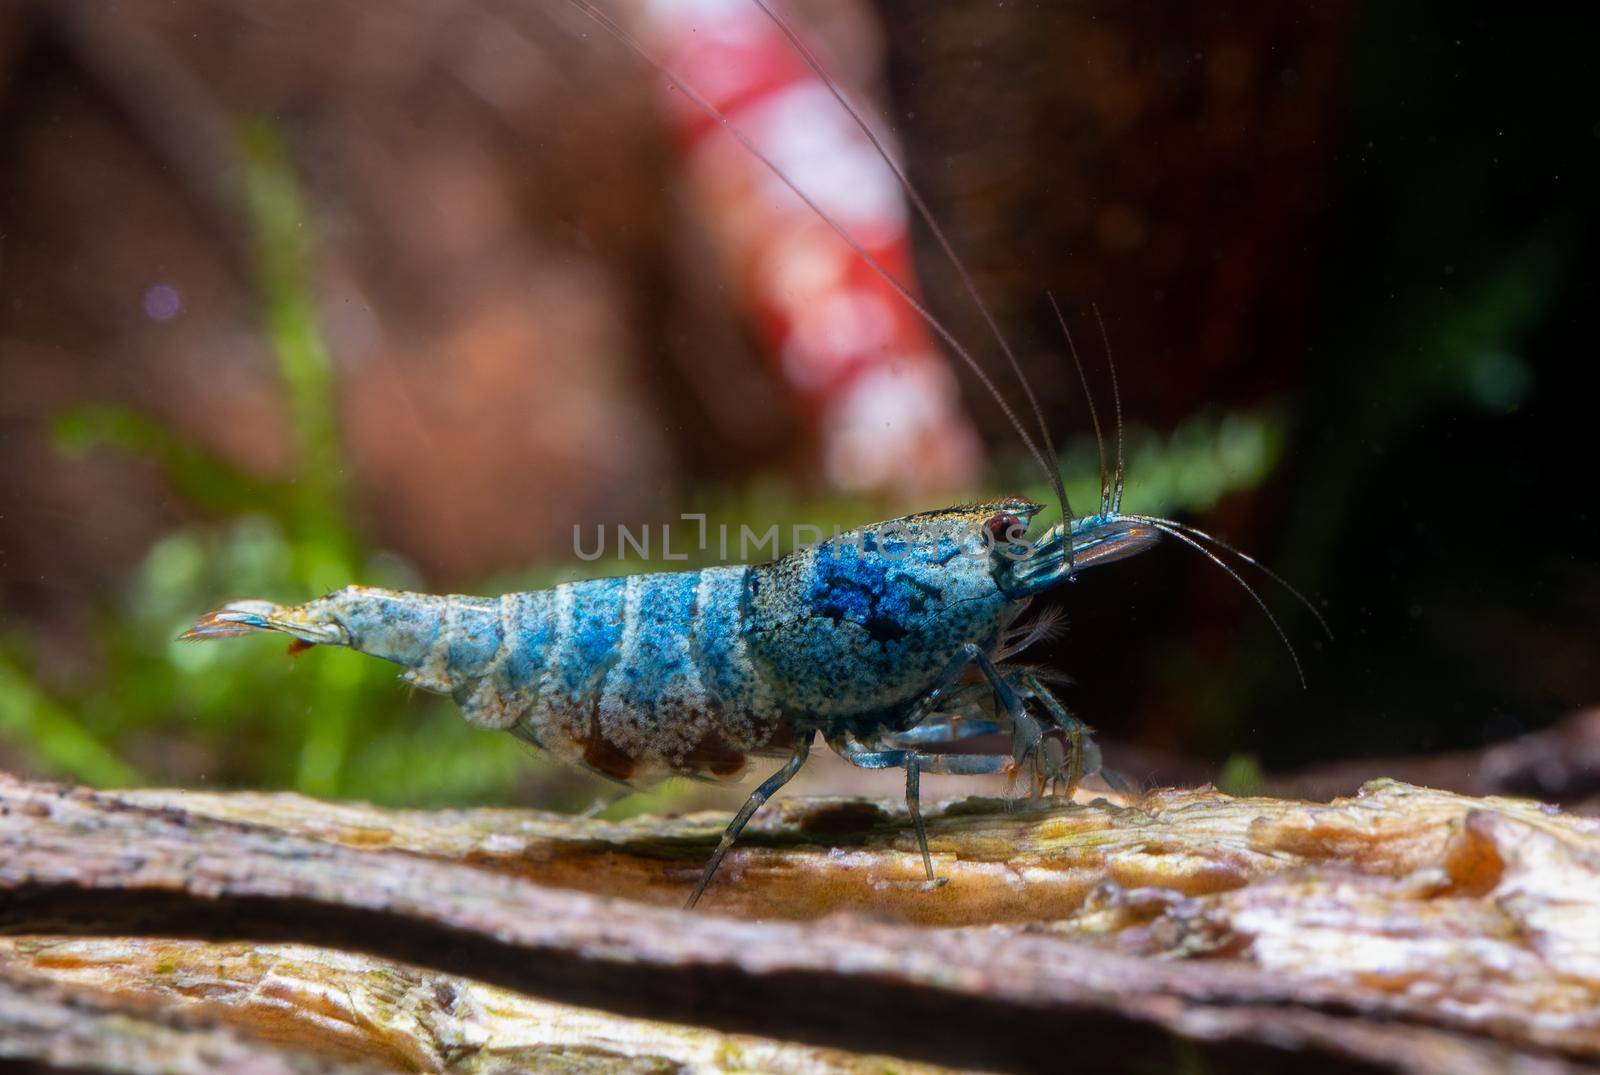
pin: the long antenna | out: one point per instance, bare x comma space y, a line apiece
1195, 531
1116, 399
1094, 412
928, 218
712, 111
1171, 529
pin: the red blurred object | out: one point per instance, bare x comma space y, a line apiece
879, 397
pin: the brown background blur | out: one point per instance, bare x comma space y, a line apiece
529, 328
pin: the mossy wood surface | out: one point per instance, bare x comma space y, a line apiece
1402, 929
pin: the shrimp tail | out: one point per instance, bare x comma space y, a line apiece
406, 628
310, 623
448, 644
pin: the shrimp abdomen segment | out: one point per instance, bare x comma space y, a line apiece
637, 678
649, 678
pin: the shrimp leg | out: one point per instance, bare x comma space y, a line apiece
943, 728
915, 762
1025, 731
602, 803
1084, 750
1078, 741
1066, 766
769, 786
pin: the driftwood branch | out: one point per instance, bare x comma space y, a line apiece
1401, 929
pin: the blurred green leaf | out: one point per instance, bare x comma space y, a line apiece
57, 741
1209, 455
1241, 775
198, 476
279, 220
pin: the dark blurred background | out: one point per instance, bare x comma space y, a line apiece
316, 292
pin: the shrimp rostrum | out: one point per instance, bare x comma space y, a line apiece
892, 642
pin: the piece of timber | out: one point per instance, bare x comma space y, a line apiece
1403, 929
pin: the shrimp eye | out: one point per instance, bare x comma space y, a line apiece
1003, 529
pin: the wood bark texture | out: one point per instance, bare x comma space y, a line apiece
1400, 929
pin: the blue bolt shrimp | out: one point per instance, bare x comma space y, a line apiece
893, 643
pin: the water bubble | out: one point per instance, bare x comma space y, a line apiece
162, 302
